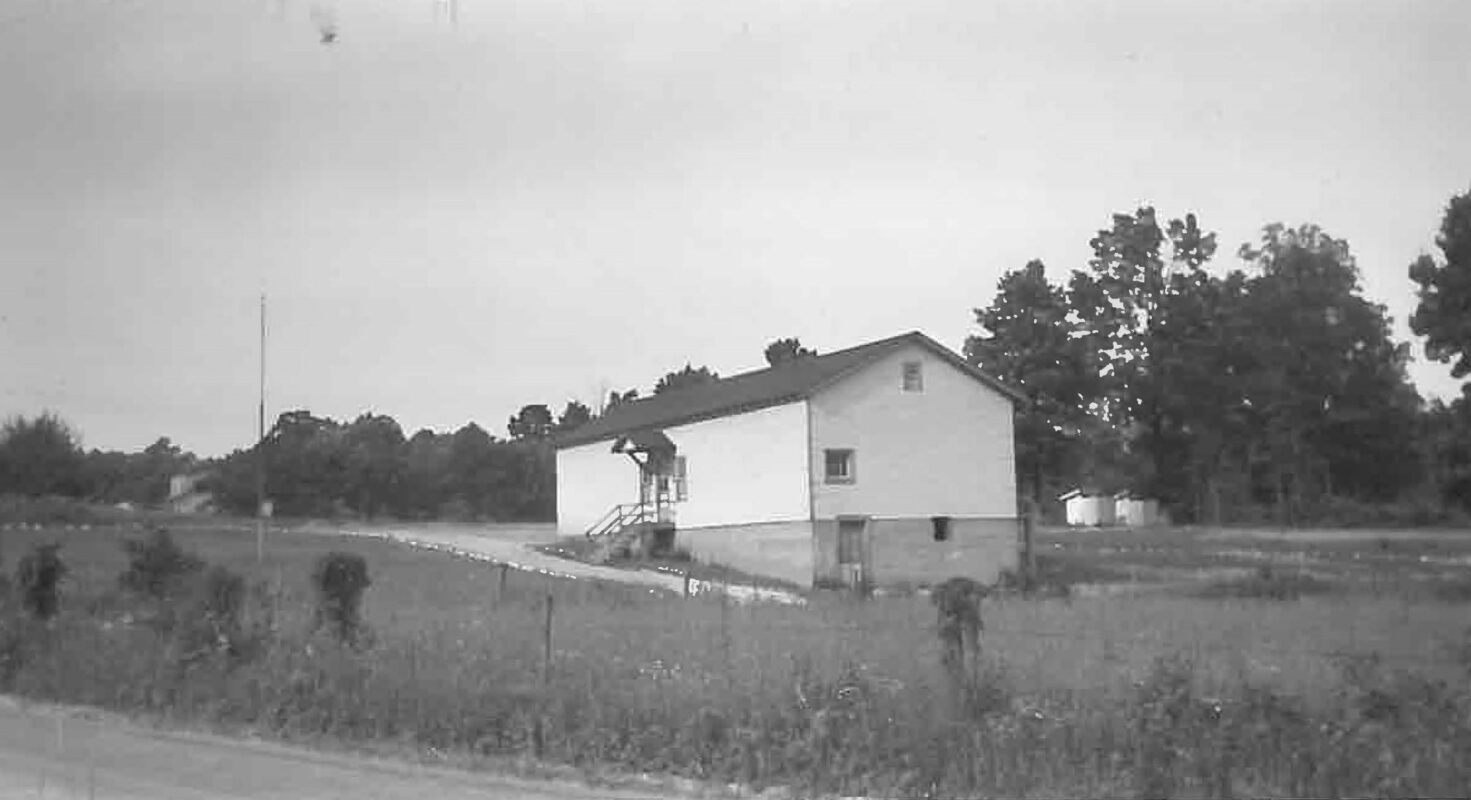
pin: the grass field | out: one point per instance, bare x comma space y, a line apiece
1358, 690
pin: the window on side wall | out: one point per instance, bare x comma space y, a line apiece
839, 466
913, 376
681, 480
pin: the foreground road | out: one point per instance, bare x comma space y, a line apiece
45, 753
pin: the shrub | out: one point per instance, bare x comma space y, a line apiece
156, 565
1055, 576
1270, 583
12, 652
211, 616
1345, 512
1456, 590
340, 580
958, 605
223, 598
38, 578
46, 509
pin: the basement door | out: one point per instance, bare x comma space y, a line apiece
853, 562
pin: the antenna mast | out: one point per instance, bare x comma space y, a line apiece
260, 446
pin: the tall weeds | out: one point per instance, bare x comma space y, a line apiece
647, 684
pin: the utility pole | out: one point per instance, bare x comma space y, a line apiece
260, 446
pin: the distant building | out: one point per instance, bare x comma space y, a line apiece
185, 496
1089, 508
887, 463
1136, 512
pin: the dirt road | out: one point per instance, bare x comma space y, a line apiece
51, 753
514, 545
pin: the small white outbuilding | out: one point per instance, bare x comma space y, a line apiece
1088, 510
1135, 512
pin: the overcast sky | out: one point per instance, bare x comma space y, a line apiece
548, 199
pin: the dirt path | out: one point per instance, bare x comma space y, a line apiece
51, 753
515, 545
505, 547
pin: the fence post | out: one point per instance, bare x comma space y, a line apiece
538, 725
546, 662
725, 644
686, 583
500, 583
1029, 551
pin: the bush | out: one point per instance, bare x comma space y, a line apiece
210, 618
1055, 576
1457, 590
46, 509
1345, 512
340, 580
1270, 583
156, 565
38, 578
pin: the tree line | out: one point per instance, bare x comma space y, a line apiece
314, 466
1275, 385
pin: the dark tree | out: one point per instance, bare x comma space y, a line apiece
306, 464
531, 422
40, 456
616, 399
684, 379
1125, 301
573, 416
424, 484
1325, 391
475, 476
1028, 340
783, 350
1443, 315
1448, 444
158, 463
373, 448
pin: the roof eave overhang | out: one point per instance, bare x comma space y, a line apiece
573, 440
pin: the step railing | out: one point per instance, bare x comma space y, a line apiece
619, 517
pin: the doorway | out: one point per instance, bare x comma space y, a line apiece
853, 552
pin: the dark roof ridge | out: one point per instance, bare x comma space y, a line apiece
760, 388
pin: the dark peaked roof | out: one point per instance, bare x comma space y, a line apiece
749, 391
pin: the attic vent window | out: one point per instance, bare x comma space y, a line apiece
913, 377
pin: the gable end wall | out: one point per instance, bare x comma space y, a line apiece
945, 451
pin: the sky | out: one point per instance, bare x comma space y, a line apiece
464, 206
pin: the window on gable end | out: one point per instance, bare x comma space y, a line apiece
913, 376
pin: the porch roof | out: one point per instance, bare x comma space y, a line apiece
646, 440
